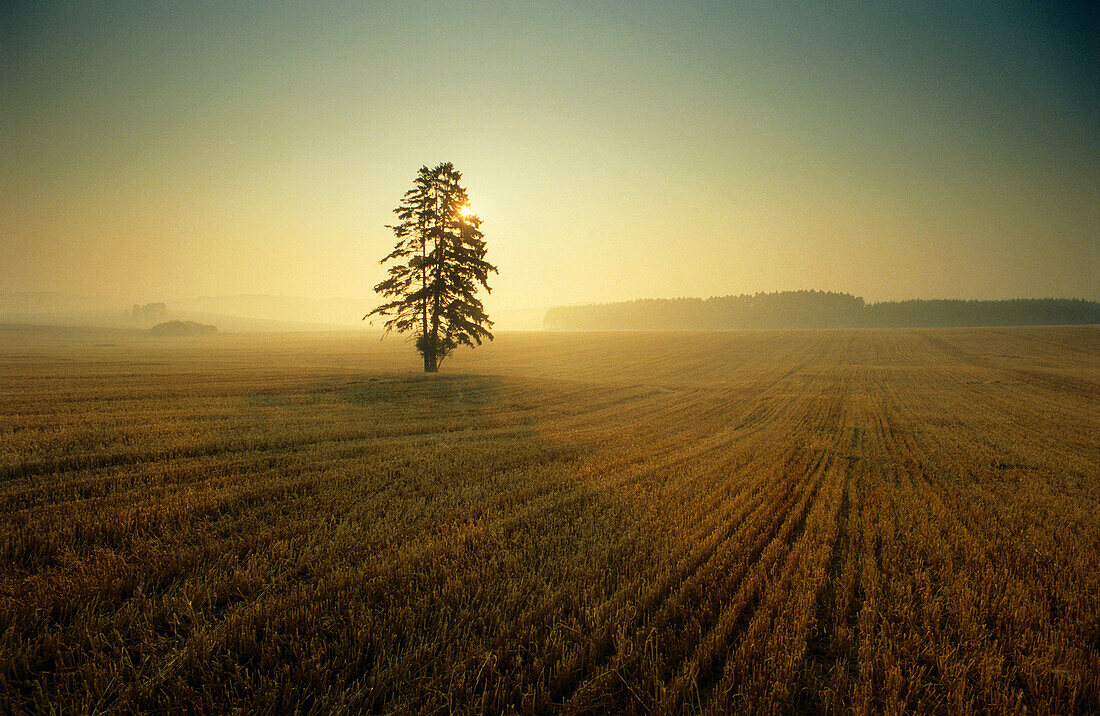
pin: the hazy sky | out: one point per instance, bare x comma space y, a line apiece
614, 151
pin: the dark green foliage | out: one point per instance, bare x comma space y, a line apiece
438, 264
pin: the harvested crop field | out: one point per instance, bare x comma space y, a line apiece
746, 521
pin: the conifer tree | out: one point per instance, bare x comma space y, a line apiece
437, 266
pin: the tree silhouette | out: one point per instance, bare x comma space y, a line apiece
438, 265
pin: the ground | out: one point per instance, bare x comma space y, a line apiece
745, 521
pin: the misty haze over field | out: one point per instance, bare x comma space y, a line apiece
234, 313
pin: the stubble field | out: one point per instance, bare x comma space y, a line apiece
880, 521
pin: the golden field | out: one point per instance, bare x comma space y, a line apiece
771, 521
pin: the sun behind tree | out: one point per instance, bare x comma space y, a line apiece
438, 265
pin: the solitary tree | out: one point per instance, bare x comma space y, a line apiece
437, 266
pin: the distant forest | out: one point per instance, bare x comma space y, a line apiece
815, 309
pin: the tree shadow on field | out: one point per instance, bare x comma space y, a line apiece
472, 392
487, 546
375, 405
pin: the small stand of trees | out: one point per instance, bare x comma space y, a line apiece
437, 268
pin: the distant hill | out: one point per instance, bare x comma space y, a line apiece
815, 309
183, 328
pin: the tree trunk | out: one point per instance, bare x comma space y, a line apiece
431, 357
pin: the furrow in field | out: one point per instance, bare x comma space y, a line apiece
770, 653
674, 597
699, 673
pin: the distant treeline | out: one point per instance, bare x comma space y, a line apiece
815, 309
